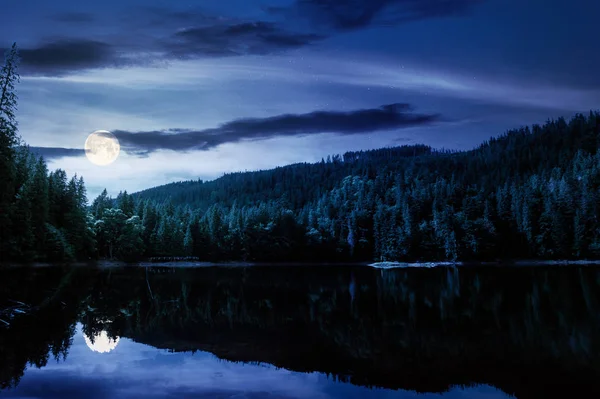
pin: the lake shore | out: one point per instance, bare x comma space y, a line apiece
393, 265
377, 265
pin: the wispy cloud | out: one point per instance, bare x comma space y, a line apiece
346, 15
56, 152
343, 70
173, 36
235, 39
387, 117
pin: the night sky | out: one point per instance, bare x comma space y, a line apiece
194, 89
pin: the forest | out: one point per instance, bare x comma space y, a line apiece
530, 193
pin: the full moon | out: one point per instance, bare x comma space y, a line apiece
102, 148
102, 343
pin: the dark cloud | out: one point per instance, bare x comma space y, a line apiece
217, 39
67, 55
387, 117
56, 152
152, 36
74, 17
236, 39
356, 14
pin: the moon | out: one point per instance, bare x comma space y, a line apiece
102, 148
102, 343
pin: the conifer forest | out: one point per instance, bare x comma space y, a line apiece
530, 193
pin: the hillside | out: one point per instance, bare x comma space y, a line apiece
297, 183
529, 193
516, 154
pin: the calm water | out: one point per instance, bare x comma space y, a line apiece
299, 332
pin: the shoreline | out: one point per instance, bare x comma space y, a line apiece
508, 263
376, 265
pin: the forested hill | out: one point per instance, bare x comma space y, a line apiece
515, 155
296, 184
531, 193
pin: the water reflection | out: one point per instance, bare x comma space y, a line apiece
101, 342
303, 332
138, 370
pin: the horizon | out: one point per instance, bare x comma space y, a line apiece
39, 150
196, 92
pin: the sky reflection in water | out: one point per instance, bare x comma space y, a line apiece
137, 370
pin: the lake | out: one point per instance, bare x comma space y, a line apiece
299, 332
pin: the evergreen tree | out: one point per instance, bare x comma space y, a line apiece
9, 140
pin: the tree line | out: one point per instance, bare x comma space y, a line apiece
530, 193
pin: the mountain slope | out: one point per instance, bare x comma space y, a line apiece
517, 153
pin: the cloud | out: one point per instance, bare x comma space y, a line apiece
56, 152
255, 38
346, 15
153, 36
62, 56
387, 117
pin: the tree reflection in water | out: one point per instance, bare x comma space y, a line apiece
531, 332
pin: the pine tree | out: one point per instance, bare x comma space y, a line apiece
125, 203
129, 243
110, 229
100, 204
188, 241
9, 140
38, 196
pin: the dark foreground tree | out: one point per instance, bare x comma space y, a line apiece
42, 216
9, 140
